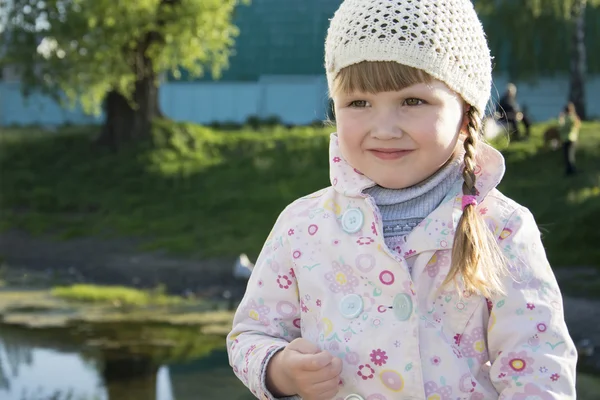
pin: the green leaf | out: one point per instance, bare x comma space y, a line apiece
95, 46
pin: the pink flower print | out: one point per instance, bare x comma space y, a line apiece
296, 254
303, 306
532, 391
433, 391
530, 306
409, 253
374, 228
457, 338
473, 345
284, 282
517, 364
292, 273
490, 305
554, 377
363, 241
378, 357
336, 159
257, 312
352, 358
342, 279
483, 211
290, 232
318, 302
541, 327
435, 360
366, 371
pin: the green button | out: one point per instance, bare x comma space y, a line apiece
402, 306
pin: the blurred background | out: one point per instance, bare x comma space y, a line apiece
146, 148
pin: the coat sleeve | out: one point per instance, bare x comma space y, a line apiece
531, 351
268, 317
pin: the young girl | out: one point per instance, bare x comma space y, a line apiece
412, 276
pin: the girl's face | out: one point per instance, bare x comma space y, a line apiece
399, 138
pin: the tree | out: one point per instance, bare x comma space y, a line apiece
544, 37
111, 55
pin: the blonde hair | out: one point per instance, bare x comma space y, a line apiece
476, 257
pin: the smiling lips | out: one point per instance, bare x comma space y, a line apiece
389, 154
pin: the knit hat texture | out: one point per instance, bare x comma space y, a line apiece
442, 37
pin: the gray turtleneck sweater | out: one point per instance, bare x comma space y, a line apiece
403, 209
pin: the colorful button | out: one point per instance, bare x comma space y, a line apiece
353, 397
351, 306
352, 220
402, 306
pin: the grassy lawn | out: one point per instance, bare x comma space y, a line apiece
205, 192
565, 207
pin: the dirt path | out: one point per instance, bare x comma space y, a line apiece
115, 262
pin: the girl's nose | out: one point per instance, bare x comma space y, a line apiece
387, 125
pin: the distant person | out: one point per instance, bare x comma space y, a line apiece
411, 276
569, 125
510, 113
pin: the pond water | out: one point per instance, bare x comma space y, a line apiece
33, 368
33, 372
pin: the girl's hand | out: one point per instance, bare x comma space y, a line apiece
301, 368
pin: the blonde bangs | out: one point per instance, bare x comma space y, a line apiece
376, 77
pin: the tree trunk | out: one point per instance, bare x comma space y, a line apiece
126, 122
578, 58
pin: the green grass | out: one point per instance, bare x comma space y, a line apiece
197, 191
565, 208
118, 295
204, 192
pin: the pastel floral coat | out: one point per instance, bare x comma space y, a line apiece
325, 274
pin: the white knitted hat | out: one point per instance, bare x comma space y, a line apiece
442, 37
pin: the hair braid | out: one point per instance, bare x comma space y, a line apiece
476, 257
470, 145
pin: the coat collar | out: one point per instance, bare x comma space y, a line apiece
489, 172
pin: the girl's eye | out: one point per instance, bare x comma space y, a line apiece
359, 103
413, 102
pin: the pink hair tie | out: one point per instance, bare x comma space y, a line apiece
468, 200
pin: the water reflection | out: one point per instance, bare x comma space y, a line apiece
55, 371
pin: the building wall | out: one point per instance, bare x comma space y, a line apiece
294, 99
